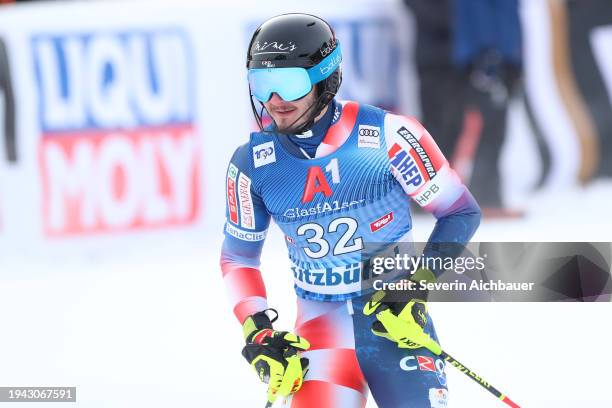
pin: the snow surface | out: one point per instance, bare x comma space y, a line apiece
152, 327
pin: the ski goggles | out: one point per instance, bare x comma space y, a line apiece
291, 83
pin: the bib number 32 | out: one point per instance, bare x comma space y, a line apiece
320, 245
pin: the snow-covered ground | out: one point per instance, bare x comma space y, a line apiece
152, 327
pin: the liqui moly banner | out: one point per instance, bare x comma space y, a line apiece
118, 148
125, 122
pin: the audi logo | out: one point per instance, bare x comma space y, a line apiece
369, 132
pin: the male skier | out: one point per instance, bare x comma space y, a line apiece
334, 176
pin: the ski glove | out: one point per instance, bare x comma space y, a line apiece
274, 355
403, 320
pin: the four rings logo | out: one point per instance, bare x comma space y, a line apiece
369, 136
264, 154
369, 132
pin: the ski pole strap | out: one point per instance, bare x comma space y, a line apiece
477, 379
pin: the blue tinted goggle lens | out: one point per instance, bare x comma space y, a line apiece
289, 83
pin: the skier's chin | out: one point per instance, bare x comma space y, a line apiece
287, 126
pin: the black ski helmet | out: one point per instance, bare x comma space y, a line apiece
305, 40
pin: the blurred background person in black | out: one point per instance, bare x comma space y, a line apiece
7, 107
469, 61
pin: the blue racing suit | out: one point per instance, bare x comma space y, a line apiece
342, 185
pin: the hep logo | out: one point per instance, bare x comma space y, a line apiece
406, 166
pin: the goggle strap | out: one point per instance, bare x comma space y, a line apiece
326, 67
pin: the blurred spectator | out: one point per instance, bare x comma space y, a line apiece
439, 80
469, 60
7, 106
584, 19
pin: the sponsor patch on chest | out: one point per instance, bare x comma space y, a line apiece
264, 154
369, 137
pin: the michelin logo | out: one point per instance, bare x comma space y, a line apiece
250, 236
264, 154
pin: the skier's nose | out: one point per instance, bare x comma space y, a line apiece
276, 98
